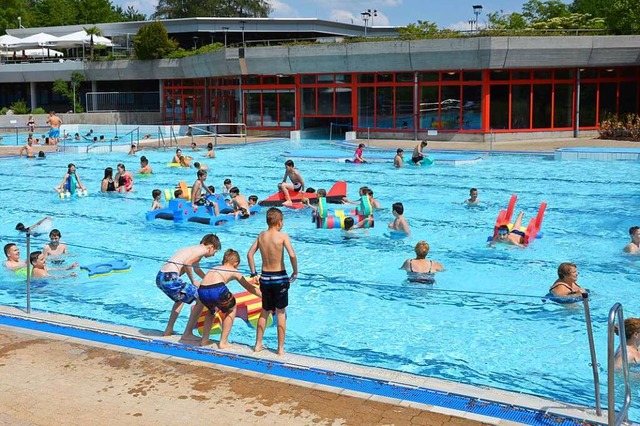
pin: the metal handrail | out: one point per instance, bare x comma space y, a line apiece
172, 136
615, 419
592, 352
215, 132
161, 138
137, 130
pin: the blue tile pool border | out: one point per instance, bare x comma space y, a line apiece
312, 375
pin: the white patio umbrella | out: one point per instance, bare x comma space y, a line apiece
81, 38
9, 40
37, 40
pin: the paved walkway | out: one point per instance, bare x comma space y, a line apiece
46, 381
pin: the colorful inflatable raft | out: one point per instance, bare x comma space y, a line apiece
530, 232
335, 195
180, 210
248, 308
332, 220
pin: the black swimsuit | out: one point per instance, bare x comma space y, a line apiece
111, 187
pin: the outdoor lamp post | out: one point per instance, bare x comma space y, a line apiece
477, 10
195, 42
225, 29
365, 17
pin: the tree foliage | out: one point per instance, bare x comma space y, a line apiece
423, 30
215, 8
70, 88
152, 42
550, 15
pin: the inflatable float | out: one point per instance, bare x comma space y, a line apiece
335, 195
563, 300
248, 308
335, 220
180, 211
530, 233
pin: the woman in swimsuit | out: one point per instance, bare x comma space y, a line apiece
566, 285
108, 184
632, 333
421, 269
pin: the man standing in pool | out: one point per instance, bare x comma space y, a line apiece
297, 182
185, 261
274, 281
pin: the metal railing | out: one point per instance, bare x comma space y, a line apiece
205, 129
134, 138
615, 419
592, 352
162, 143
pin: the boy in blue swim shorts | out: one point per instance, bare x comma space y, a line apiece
214, 294
185, 261
274, 282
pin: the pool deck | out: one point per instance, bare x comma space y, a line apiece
55, 379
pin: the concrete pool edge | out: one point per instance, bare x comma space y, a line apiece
440, 396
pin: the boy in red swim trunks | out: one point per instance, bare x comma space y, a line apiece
274, 281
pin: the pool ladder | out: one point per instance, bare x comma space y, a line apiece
613, 418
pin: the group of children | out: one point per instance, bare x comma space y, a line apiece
212, 291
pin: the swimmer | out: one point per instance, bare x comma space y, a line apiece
176, 158
194, 147
156, 194
398, 160
567, 283
124, 178
420, 269
147, 136
632, 333
185, 261
76, 137
634, 246
419, 153
252, 200
13, 262
54, 247
210, 152
399, 224
133, 149
297, 182
214, 294
41, 155
473, 198
40, 270
514, 236
27, 149
70, 182
184, 161
321, 193
199, 166
145, 168
200, 199
226, 186
240, 204
374, 203
108, 184
357, 156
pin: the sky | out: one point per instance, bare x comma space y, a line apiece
453, 14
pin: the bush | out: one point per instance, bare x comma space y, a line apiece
19, 107
152, 42
182, 53
38, 110
626, 127
3, 111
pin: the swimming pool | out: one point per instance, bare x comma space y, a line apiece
475, 325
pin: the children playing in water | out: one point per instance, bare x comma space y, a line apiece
200, 166
176, 158
197, 196
13, 262
214, 294
473, 199
40, 270
419, 154
145, 168
226, 186
54, 247
398, 160
124, 178
240, 204
297, 182
274, 281
70, 182
512, 236
156, 194
210, 152
357, 156
185, 261
399, 223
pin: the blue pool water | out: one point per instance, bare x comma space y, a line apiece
483, 322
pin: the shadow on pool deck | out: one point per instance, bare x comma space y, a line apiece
46, 381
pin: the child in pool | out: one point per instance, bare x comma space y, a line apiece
54, 247
156, 194
40, 270
13, 261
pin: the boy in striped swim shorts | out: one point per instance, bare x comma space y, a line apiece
274, 281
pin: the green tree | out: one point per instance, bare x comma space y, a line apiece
595, 8
538, 10
55, 12
9, 12
228, 8
152, 42
130, 15
69, 90
510, 21
94, 11
419, 30
624, 17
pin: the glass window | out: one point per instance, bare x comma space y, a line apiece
325, 78
404, 77
384, 78
588, 73
252, 79
499, 107
520, 106
451, 76
384, 107
254, 117
404, 108
471, 107
628, 97
627, 72
269, 109
286, 79
472, 76
520, 75
608, 73
608, 101
343, 100
542, 75
365, 78
343, 78
428, 107
429, 76
564, 74
287, 109
563, 105
499, 75
450, 107
269, 79
309, 101
587, 105
325, 101
541, 106
308, 79
366, 107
